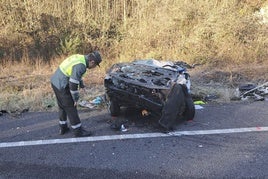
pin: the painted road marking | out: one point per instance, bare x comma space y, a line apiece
131, 136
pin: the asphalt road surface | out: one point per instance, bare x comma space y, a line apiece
223, 141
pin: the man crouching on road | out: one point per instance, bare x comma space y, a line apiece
66, 82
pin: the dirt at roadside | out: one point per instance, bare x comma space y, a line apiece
209, 84
220, 85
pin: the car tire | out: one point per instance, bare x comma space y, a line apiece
189, 112
114, 108
173, 106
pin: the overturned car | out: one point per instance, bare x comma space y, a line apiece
160, 88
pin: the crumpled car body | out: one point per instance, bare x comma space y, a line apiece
145, 84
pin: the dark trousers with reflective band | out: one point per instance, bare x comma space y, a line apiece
66, 107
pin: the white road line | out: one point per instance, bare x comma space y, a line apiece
131, 136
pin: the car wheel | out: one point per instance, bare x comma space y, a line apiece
189, 112
173, 106
114, 108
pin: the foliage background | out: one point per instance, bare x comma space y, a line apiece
200, 31
36, 35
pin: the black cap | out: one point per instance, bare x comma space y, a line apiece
97, 57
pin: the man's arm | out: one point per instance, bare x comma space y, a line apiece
75, 80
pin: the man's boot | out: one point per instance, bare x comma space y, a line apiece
64, 129
80, 132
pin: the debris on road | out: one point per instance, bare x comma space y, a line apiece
93, 103
197, 106
199, 102
252, 91
123, 128
86, 104
97, 101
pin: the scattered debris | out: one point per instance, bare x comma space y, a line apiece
86, 104
92, 104
199, 102
251, 91
210, 97
123, 128
97, 101
144, 112
198, 107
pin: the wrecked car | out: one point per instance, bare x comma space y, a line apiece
159, 88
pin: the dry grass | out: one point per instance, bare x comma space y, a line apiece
224, 35
223, 81
27, 87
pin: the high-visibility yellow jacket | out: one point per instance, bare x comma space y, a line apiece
67, 65
69, 74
